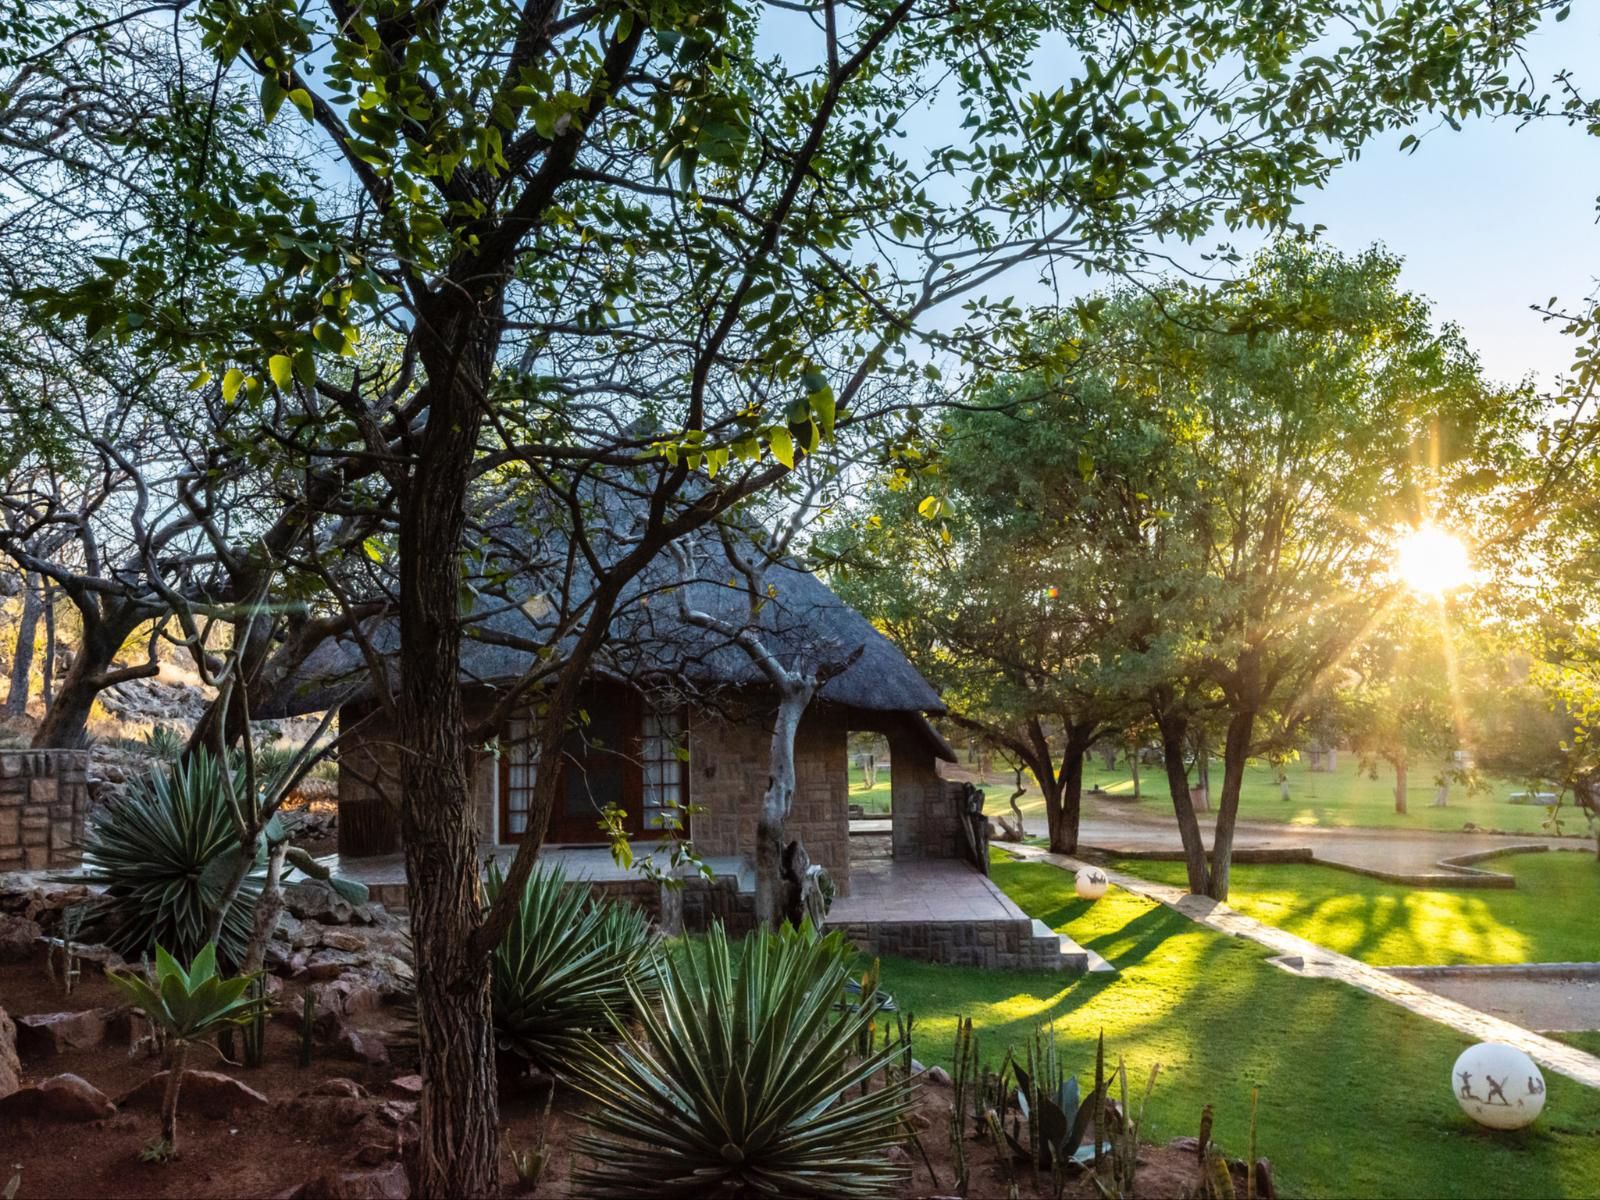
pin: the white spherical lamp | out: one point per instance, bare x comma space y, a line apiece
1091, 883
1498, 1085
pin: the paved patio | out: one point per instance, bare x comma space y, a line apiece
886, 890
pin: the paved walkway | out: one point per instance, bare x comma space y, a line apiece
1307, 958
1403, 851
887, 889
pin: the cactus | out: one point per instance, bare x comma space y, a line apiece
308, 1016
254, 1034
965, 1058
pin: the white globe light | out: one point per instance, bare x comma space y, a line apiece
1498, 1085
1091, 883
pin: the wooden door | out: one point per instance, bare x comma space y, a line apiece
599, 766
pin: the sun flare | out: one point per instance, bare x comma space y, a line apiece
1432, 561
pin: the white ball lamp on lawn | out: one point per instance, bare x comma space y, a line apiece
1498, 1085
1091, 883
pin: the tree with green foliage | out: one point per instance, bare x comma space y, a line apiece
659, 251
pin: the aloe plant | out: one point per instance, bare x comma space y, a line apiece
165, 850
745, 1077
564, 967
187, 1006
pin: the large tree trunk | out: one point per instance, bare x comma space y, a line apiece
66, 721
1235, 752
771, 888
1174, 732
22, 661
458, 1154
1064, 839
1400, 774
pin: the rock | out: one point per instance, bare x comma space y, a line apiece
388, 1183
47, 1034
343, 939
338, 1086
18, 937
409, 1085
898, 1155
363, 1046
59, 1098
203, 1093
917, 1068
10, 1065
313, 900
375, 1154
324, 1112
937, 1076
397, 1112
1187, 1145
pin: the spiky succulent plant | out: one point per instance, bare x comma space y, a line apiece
746, 1079
164, 851
566, 964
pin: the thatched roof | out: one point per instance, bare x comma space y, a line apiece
803, 621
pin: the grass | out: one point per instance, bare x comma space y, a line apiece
1355, 1093
1587, 1040
874, 799
1549, 917
1345, 797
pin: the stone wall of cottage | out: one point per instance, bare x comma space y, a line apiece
927, 822
369, 787
728, 764
44, 800
727, 776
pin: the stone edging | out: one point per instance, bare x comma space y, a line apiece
1537, 970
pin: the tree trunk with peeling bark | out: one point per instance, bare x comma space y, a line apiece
777, 802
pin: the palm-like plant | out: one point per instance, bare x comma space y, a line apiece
186, 1005
565, 965
746, 1077
164, 850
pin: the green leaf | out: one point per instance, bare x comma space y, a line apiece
301, 99
281, 367
231, 383
930, 508
271, 98
782, 445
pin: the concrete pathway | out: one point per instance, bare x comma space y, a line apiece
1307, 958
1402, 851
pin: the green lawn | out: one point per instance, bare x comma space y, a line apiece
1345, 797
1549, 917
1355, 1093
1587, 1040
874, 799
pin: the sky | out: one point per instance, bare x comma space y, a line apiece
1489, 220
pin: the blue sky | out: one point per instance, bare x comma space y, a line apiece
1491, 219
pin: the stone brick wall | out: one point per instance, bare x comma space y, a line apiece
44, 799
927, 822
988, 944
369, 768
728, 773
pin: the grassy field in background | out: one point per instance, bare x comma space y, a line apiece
1344, 797
1355, 1093
874, 799
1549, 917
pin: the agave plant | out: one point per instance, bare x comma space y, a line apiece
164, 850
187, 1005
746, 1077
565, 965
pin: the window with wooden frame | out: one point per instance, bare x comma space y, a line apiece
625, 754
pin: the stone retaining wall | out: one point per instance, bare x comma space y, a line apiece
990, 944
44, 799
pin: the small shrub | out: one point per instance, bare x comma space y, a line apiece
746, 1079
186, 1006
564, 967
164, 851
